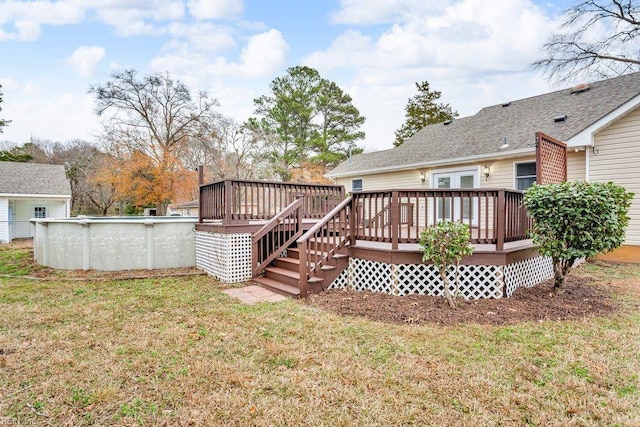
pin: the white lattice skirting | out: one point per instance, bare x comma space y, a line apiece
475, 281
226, 257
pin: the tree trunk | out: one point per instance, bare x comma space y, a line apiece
161, 209
445, 282
560, 269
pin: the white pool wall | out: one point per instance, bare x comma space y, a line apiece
115, 243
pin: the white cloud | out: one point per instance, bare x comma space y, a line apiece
203, 35
382, 11
42, 11
263, 54
126, 17
28, 30
476, 52
217, 9
471, 34
36, 112
137, 18
85, 59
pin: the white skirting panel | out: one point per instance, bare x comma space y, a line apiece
475, 281
226, 257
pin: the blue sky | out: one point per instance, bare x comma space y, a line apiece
476, 52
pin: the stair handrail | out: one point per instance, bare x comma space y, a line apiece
268, 228
307, 267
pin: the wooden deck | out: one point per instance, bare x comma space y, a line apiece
302, 235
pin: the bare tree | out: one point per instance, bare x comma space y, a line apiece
234, 150
3, 122
243, 153
155, 116
598, 39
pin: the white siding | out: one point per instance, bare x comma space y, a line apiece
576, 165
617, 160
4, 220
502, 173
24, 211
386, 181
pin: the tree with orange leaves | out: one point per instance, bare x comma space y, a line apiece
147, 122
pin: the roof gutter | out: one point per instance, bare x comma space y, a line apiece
444, 162
35, 196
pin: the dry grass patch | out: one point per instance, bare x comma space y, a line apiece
177, 351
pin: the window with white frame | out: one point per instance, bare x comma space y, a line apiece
40, 212
356, 185
525, 175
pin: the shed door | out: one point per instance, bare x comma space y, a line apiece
12, 230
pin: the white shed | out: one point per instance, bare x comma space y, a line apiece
31, 190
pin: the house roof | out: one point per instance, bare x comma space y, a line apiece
190, 204
33, 178
482, 134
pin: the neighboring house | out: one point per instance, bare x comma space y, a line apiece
31, 190
184, 209
496, 148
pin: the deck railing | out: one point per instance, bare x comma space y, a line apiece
239, 201
495, 216
276, 235
319, 244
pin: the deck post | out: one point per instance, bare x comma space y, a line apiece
303, 269
200, 183
352, 223
501, 213
228, 202
394, 221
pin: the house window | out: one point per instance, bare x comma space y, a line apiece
356, 185
525, 175
40, 212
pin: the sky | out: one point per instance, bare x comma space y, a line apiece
476, 52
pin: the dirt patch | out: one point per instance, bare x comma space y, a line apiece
94, 275
582, 298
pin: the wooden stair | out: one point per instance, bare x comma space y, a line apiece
283, 275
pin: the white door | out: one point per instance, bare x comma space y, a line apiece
456, 208
12, 231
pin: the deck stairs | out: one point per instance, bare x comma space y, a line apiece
323, 251
283, 275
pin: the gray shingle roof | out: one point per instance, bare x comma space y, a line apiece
190, 204
33, 178
483, 133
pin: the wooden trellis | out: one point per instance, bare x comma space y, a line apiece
551, 159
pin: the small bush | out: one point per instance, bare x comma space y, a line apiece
574, 220
444, 244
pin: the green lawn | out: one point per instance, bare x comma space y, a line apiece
177, 351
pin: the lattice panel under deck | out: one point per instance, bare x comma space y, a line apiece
341, 281
527, 273
364, 275
475, 281
224, 256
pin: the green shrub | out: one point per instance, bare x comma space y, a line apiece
574, 220
444, 244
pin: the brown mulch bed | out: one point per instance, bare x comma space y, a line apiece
581, 299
